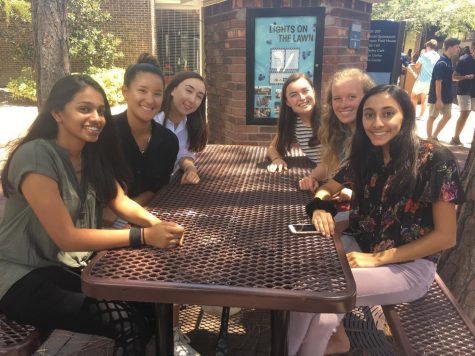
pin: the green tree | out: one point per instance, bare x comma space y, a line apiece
456, 265
50, 45
88, 44
448, 16
17, 32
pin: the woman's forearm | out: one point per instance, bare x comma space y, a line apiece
131, 211
442, 237
272, 152
329, 189
320, 172
144, 198
186, 163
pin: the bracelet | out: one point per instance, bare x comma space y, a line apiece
320, 204
135, 237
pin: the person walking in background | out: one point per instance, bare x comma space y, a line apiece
409, 56
440, 92
464, 73
425, 63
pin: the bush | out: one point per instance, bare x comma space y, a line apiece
23, 88
111, 80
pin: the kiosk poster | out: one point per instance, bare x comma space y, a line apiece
283, 45
280, 42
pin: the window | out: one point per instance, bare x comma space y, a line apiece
178, 40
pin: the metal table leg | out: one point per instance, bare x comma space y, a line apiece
222, 345
279, 324
165, 343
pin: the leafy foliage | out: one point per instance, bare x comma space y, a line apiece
17, 32
111, 80
88, 44
449, 16
23, 88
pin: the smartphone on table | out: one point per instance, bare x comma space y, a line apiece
303, 229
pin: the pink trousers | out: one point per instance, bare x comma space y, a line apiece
308, 333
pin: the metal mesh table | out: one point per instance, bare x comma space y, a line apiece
238, 250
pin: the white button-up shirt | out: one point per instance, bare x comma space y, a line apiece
181, 133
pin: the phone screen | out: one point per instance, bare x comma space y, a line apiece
302, 229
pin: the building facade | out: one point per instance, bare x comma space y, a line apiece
209, 36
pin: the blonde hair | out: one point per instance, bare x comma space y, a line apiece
334, 136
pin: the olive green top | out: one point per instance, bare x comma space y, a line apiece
24, 243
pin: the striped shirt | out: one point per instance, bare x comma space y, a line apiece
302, 135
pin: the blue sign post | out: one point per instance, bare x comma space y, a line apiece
384, 51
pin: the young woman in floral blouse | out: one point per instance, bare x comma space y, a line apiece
402, 215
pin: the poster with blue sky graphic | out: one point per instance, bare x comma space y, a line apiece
283, 45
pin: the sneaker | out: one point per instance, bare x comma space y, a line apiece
217, 311
455, 141
182, 347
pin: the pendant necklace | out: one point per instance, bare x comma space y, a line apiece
144, 148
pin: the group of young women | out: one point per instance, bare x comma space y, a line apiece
77, 160
403, 192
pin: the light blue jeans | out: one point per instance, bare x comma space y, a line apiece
309, 333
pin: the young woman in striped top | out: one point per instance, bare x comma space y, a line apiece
299, 120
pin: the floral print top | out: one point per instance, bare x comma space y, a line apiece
381, 223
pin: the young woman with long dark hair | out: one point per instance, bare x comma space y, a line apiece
56, 180
184, 113
402, 215
299, 120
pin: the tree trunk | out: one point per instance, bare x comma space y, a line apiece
50, 42
457, 265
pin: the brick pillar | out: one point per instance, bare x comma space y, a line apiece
225, 57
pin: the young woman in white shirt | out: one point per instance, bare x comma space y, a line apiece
184, 113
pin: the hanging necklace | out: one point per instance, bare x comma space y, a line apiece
143, 148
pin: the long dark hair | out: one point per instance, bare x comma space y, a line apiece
196, 121
103, 162
403, 148
145, 63
288, 118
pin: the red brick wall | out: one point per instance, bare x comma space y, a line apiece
134, 23
225, 57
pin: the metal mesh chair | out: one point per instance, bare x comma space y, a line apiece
17, 339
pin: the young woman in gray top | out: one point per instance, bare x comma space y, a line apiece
57, 179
